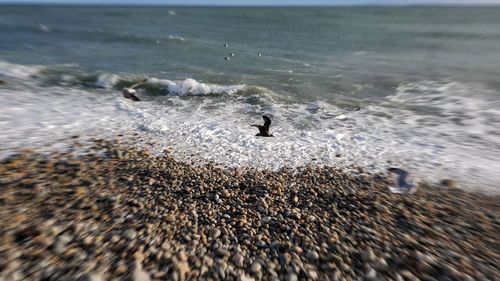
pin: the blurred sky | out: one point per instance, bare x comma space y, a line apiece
260, 2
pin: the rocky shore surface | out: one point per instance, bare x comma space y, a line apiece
118, 213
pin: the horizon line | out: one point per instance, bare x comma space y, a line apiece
252, 6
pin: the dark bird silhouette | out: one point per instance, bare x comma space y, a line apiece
264, 129
129, 93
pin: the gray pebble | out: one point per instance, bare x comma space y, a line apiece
367, 255
312, 255
214, 233
238, 260
371, 274
256, 267
130, 234
380, 264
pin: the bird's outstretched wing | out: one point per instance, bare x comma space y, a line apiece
135, 85
267, 122
261, 128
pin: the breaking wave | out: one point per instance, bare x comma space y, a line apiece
67, 75
19, 71
435, 129
192, 87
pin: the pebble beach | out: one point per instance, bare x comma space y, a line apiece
114, 211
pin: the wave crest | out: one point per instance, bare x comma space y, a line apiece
191, 87
19, 71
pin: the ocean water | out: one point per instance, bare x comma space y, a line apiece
415, 87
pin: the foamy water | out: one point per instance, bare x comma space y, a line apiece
434, 129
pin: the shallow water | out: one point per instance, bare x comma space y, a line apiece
375, 87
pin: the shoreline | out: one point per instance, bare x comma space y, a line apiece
118, 212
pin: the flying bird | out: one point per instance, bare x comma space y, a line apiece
401, 185
264, 129
129, 92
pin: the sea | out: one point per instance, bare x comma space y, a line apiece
373, 87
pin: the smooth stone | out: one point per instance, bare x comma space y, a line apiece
182, 269
64, 239
220, 272
312, 255
159, 275
371, 274
170, 218
182, 255
256, 267
313, 274
130, 234
261, 244
244, 277
381, 264
222, 252
367, 255
296, 214
238, 260
115, 238
61, 243
208, 261
214, 233
285, 259
121, 268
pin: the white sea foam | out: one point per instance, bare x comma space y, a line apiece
192, 87
432, 129
176, 38
378, 136
43, 27
106, 80
12, 70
